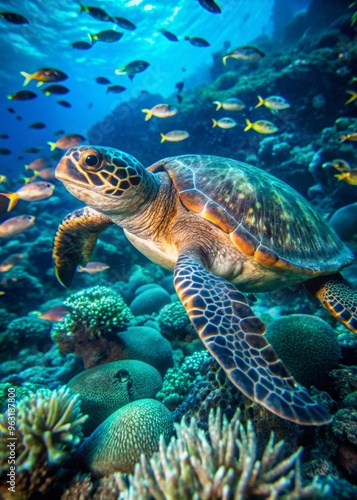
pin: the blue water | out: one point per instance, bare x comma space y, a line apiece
54, 25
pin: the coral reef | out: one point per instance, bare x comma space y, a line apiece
149, 300
117, 444
25, 332
25, 287
34, 369
89, 329
146, 344
179, 381
307, 345
175, 324
106, 388
313, 66
5, 318
345, 429
344, 222
47, 429
225, 465
212, 389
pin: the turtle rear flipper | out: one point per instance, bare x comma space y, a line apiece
337, 297
233, 334
75, 240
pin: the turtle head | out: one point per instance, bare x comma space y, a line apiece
104, 178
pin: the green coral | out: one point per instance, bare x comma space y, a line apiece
172, 317
225, 465
47, 428
307, 346
174, 322
27, 389
133, 430
179, 381
5, 318
27, 331
98, 309
106, 388
95, 316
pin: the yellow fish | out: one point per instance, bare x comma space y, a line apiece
2, 178
67, 141
34, 191
245, 53
350, 176
224, 123
232, 104
160, 111
341, 165
353, 96
261, 126
348, 137
44, 75
274, 102
10, 262
175, 136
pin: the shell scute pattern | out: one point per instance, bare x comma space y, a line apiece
264, 216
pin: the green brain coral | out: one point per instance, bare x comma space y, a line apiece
307, 345
106, 388
116, 445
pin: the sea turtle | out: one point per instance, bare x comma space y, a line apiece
222, 226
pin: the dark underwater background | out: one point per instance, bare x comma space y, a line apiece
120, 336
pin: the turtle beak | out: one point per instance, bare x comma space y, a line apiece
68, 171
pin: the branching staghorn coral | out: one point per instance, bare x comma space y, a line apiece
225, 466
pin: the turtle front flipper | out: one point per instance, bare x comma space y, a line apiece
75, 240
233, 335
337, 297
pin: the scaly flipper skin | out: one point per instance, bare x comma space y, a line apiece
233, 334
75, 241
337, 297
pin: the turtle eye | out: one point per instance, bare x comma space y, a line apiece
92, 161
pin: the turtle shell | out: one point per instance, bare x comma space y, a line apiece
264, 217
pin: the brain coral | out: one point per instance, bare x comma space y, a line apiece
344, 222
89, 330
307, 345
150, 300
116, 445
148, 345
106, 388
